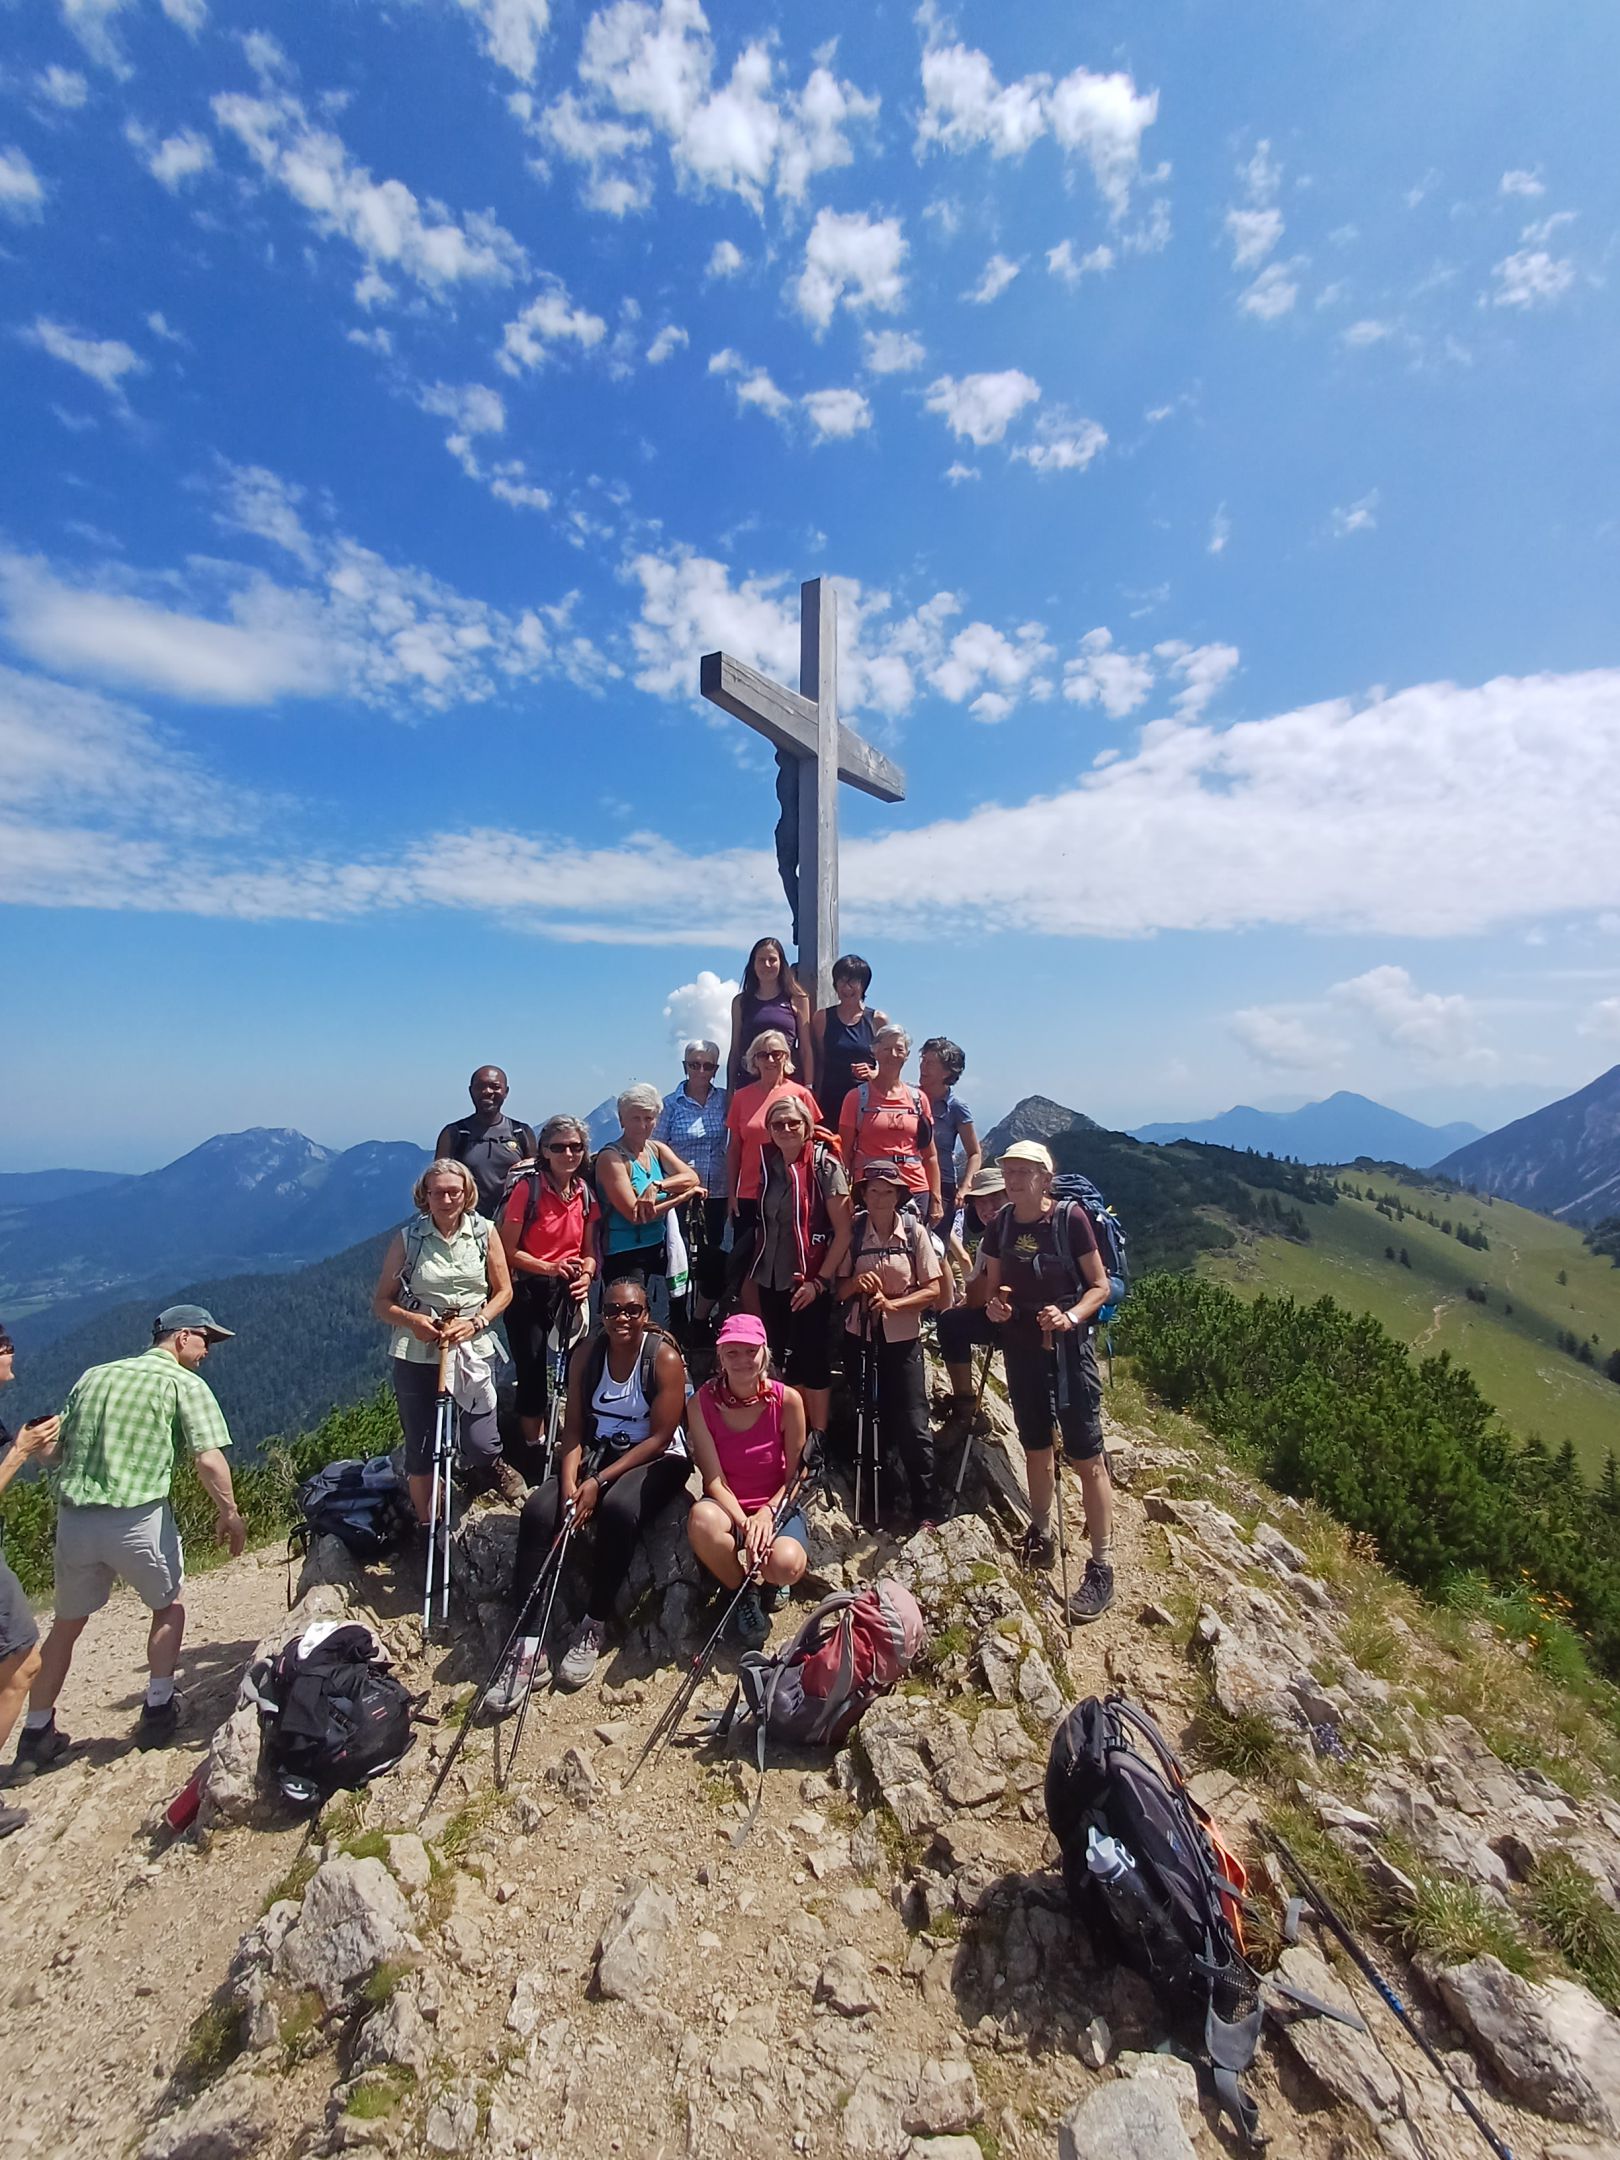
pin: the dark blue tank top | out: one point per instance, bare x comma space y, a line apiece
843, 1045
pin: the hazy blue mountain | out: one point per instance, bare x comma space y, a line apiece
268, 1198
39, 1188
1563, 1159
1036, 1117
602, 1123
1335, 1130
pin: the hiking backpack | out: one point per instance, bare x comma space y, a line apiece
1109, 1231
848, 1650
363, 1503
331, 1715
1147, 1872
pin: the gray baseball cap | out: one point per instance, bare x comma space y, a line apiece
175, 1317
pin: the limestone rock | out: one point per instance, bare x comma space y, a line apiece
1173, 2071
630, 1954
408, 1860
1132, 2119
353, 1920
229, 2120
398, 2033
1094, 2044
1552, 2044
230, 1787
573, 1776
845, 1985
330, 1564
1349, 2064
905, 2095
527, 2006
944, 2148
947, 2097
452, 2120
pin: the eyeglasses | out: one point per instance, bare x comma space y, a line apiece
565, 1147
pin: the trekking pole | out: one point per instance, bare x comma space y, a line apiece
519, 1629
1338, 1928
561, 1550
973, 1419
434, 1556
870, 1376
444, 1448
692, 1680
557, 1375
860, 1416
1052, 1391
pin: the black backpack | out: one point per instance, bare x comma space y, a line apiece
331, 1715
1174, 1916
363, 1503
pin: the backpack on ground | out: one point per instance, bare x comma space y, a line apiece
362, 1502
850, 1649
331, 1715
1147, 1872
1109, 1231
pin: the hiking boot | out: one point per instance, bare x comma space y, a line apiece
1095, 1594
525, 1670
509, 1484
773, 1597
12, 1818
39, 1750
158, 1723
1036, 1548
579, 1660
749, 1626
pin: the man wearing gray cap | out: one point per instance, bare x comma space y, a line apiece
122, 1430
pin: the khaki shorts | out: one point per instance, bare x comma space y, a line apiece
98, 1546
17, 1628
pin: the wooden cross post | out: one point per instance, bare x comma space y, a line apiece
804, 726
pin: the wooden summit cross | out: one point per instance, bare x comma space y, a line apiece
814, 751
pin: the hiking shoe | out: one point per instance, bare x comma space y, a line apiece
12, 1818
749, 1625
1095, 1594
773, 1597
523, 1673
40, 1750
579, 1661
158, 1723
509, 1484
1036, 1548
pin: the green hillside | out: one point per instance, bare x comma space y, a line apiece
1510, 1342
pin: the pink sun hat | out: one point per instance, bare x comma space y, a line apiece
742, 1327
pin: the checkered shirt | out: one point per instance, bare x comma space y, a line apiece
123, 1427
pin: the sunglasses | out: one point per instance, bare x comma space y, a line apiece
703, 1065
623, 1312
565, 1147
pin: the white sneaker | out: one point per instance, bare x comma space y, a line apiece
523, 1670
579, 1662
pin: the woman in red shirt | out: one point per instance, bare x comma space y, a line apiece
770, 1060
547, 1230
887, 1120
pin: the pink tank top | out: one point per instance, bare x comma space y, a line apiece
753, 1459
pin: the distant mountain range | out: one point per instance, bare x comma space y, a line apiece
39, 1188
1036, 1117
1564, 1159
266, 1199
1336, 1130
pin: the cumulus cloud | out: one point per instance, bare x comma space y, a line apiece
1359, 516
1273, 292
91, 22
1519, 182
1278, 1036
1531, 277
1202, 671
174, 160
65, 88
1253, 233
549, 320
393, 233
1062, 262
1255, 229
854, 258
1063, 444
1220, 530
1441, 1030
700, 1010
512, 31
1368, 331
892, 352
998, 274
1601, 1020
105, 360
668, 341
22, 192
837, 414
1100, 674
725, 261
474, 410
981, 408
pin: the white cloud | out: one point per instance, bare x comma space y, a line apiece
105, 360
74, 751
1273, 292
161, 327
1064, 444
1531, 278
549, 319
474, 411
1519, 182
22, 192
258, 501
1368, 331
983, 665
1277, 1037
892, 352
190, 15
1062, 262
1253, 233
700, 1010
999, 273
392, 231
1100, 674
1220, 529
1201, 670
1439, 1030
62, 87
957, 472
837, 414
853, 258
1101, 118
1360, 516
725, 261
1601, 1019
512, 32
91, 23
669, 341
982, 407
175, 160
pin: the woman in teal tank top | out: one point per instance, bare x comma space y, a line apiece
639, 1179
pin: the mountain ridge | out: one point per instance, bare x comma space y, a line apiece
1337, 1129
1563, 1159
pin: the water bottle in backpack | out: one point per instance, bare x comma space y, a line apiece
1114, 1869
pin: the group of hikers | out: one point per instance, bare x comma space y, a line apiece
803, 1204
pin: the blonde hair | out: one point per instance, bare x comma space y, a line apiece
768, 1039
446, 1166
789, 1106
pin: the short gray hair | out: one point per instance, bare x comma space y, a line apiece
697, 1043
639, 1095
893, 1033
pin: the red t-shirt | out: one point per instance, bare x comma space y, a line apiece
745, 1120
560, 1229
892, 1130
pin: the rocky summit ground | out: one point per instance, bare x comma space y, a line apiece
885, 1965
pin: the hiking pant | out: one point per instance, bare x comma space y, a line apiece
416, 1390
801, 1342
964, 1329
905, 1432
607, 1544
536, 1302
703, 1225
1079, 1394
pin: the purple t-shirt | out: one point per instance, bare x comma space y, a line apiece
950, 1115
1038, 1265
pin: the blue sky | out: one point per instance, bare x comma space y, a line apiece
1209, 414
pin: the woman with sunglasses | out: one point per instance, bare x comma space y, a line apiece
770, 997
747, 1432
798, 1251
639, 1180
693, 1123
770, 1060
548, 1232
623, 1461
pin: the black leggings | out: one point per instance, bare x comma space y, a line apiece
904, 1430
627, 1505
536, 1302
1079, 1391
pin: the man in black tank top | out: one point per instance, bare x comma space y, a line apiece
490, 1144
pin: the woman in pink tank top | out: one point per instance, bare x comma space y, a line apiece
746, 1431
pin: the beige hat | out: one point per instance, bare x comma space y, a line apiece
1027, 1151
987, 1179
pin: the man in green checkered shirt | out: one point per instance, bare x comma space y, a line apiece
122, 1432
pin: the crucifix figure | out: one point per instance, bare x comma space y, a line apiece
814, 752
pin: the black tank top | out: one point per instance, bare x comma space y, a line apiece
843, 1045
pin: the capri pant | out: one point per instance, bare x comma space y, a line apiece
1079, 1395
801, 1342
416, 1390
